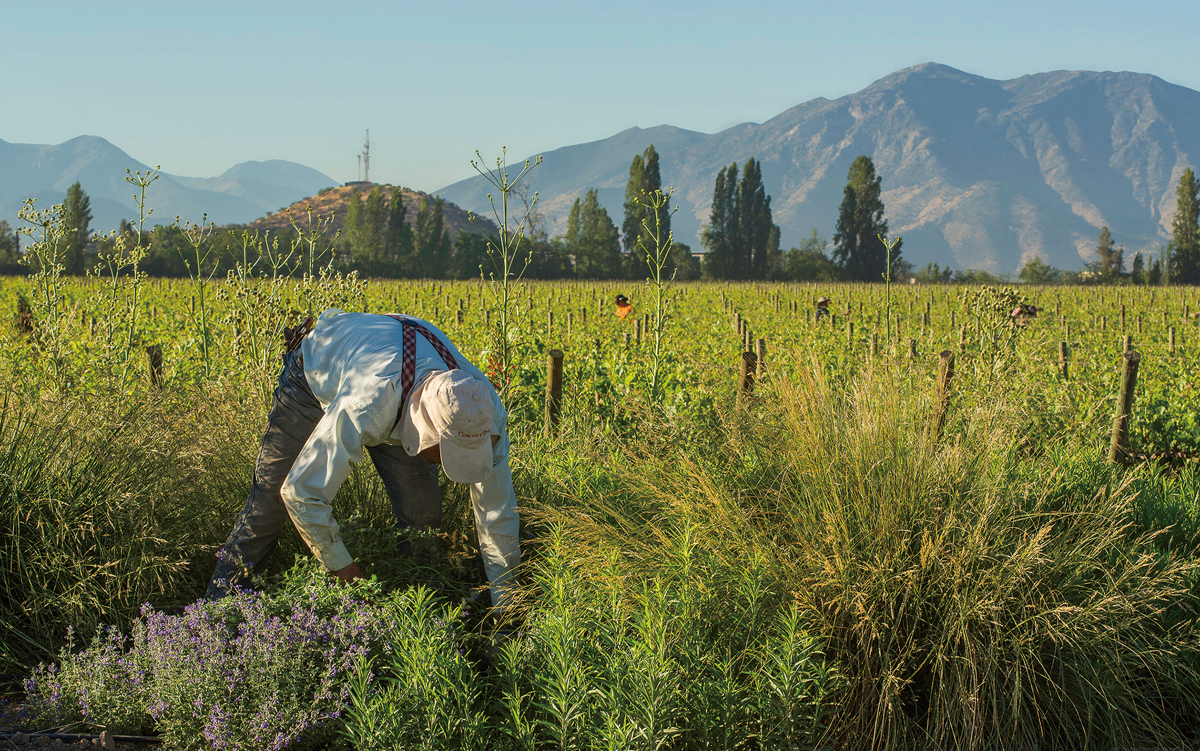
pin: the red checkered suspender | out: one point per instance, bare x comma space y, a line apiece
408, 364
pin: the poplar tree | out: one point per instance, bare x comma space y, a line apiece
741, 238
758, 246
76, 220
857, 249
720, 236
593, 239
1183, 251
644, 178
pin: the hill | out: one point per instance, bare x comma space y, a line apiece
335, 202
976, 172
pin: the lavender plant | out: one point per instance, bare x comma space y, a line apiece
253, 671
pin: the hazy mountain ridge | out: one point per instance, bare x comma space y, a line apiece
976, 173
240, 195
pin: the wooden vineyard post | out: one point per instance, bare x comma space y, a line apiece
458, 317
850, 334
549, 322
554, 376
487, 319
745, 383
912, 349
1127, 343
760, 357
874, 344
1171, 340
944, 378
1062, 361
1118, 449
626, 340
154, 360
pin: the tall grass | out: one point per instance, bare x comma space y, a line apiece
104, 507
973, 596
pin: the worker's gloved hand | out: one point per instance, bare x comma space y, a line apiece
348, 574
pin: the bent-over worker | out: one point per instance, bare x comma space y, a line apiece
397, 387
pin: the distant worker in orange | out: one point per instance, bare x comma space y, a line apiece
623, 307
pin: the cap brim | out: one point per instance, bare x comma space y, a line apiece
468, 465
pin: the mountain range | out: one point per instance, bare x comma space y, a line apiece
239, 195
976, 173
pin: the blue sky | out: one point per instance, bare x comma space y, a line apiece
199, 87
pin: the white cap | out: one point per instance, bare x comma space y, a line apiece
455, 411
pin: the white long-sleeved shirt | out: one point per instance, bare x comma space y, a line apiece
352, 362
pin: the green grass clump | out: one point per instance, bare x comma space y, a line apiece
106, 505
972, 596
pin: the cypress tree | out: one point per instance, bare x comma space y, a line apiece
76, 220
1184, 249
857, 249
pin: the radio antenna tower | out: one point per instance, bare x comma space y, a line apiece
366, 158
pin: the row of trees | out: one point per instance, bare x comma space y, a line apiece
741, 239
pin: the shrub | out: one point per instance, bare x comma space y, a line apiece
253, 671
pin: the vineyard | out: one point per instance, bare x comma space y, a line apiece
847, 540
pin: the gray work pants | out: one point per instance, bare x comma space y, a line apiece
410, 481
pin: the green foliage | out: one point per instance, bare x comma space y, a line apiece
76, 222
377, 238
1184, 250
10, 249
857, 248
810, 262
592, 239
431, 240
1110, 261
720, 235
1037, 271
932, 273
741, 238
644, 179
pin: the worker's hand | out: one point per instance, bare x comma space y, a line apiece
348, 574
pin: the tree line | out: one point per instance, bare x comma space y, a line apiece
740, 239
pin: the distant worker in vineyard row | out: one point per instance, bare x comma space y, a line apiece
624, 307
823, 308
397, 387
1022, 314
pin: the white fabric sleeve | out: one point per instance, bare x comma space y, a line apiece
498, 525
320, 469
